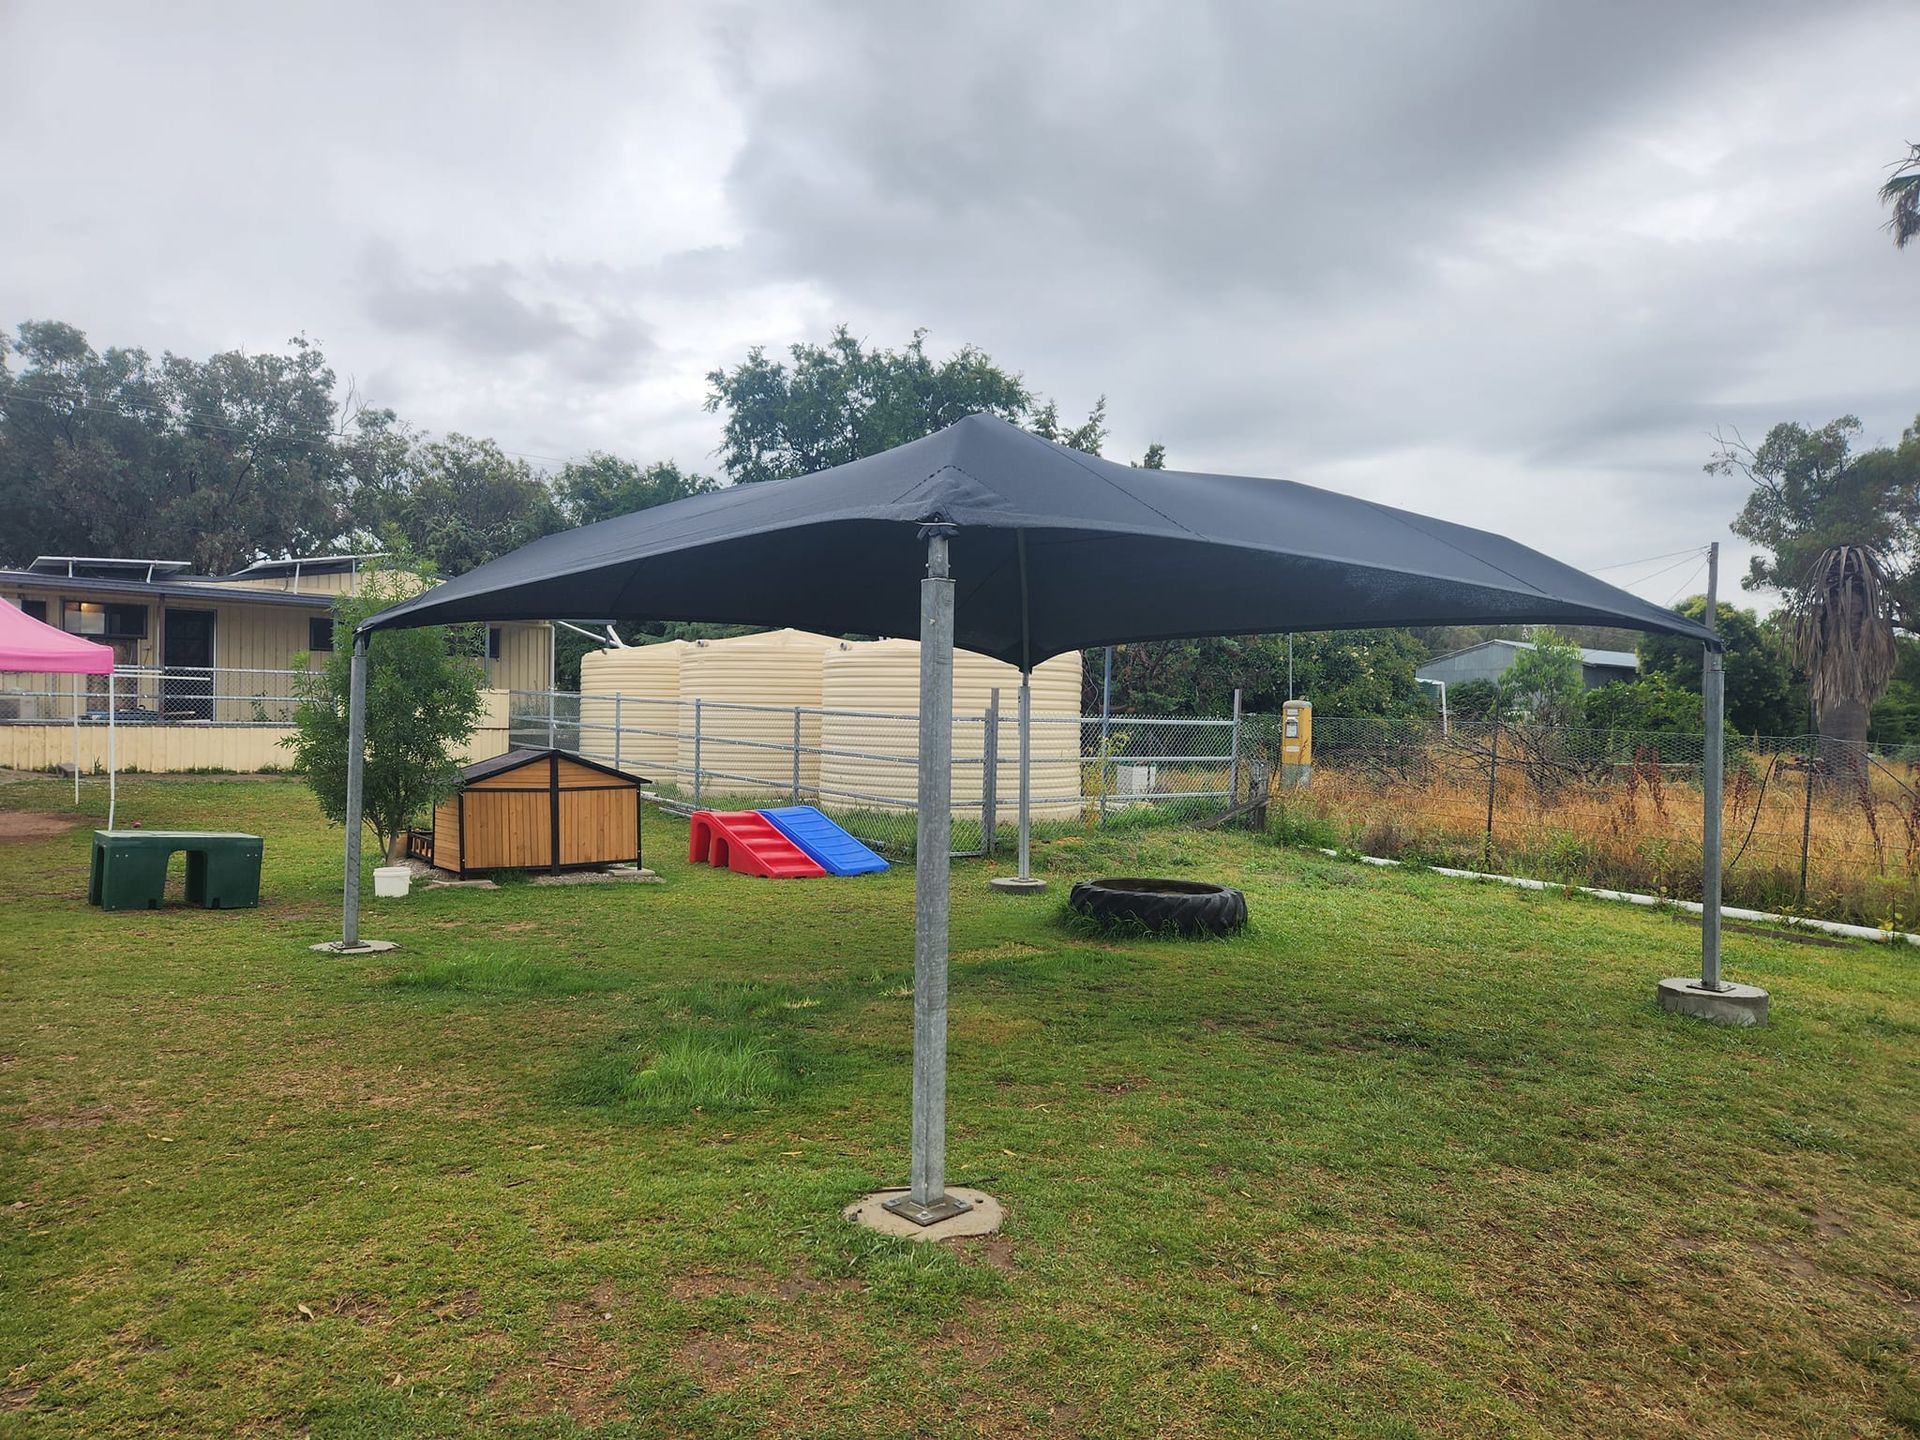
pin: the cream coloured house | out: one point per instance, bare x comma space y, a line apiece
204, 664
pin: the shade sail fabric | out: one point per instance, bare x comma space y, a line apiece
35, 646
1054, 551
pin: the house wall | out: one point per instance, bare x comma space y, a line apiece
1492, 660
1483, 662
523, 662
344, 583
158, 749
245, 637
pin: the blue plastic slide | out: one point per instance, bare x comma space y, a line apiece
825, 843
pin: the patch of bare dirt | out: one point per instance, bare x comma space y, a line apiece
718, 1362
22, 825
463, 1306
360, 1309
19, 1397
579, 1375
704, 1286
801, 1283
87, 1117
994, 1250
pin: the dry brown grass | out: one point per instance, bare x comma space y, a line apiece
1637, 827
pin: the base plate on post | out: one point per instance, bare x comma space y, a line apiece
891, 1212
1729, 1005
359, 947
945, 1208
1017, 884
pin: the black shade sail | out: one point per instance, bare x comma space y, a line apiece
1054, 551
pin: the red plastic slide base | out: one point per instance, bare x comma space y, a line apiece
746, 841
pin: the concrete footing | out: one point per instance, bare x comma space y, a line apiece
1017, 884
363, 947
1729, 1005
983, 1218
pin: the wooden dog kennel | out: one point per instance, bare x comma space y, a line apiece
535, 810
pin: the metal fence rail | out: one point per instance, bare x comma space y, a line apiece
155, 695
1811, 825
862, 766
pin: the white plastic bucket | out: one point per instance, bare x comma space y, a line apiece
391, 882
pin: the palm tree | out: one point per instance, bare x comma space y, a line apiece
1902, 192
1843, 639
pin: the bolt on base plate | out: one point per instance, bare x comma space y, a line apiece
980, 1214
944, 1208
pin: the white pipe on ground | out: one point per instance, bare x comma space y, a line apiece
1692, 907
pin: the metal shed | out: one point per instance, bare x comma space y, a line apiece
535, 810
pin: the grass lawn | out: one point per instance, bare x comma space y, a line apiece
1417, 1157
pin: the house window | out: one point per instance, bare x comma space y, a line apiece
36, 609
319, 634
493, 642
107, 622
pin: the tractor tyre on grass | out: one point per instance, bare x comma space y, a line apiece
1179, 907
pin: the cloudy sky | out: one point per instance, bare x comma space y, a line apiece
1505, 261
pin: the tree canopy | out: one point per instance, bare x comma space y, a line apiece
1546, 680
215, 462
1901, 196
1343, 672
1764, 696
1813, 489
423, 702
828, 404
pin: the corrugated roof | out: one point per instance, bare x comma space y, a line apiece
1610, 659
210, 591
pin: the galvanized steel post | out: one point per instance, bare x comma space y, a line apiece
696, 752
1026, 767
990, 772
1713, 695
616, 730
356, 786
796, 755
1106, 730
1233, 766
926, 1200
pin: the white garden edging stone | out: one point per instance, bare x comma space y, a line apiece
1692, 907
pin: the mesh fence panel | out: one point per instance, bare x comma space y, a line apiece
156, 695
1811, 825
860, 767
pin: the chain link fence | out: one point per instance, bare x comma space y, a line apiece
862, 767
1812, 826
155, 695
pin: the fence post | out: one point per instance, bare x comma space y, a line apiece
553, 726
796, 755
1493, 776
1106, 730
1233, 771
696, 752
990, 772
1806, 816
616, 729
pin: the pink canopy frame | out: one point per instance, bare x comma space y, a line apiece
33, 646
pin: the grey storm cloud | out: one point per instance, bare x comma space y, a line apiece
495, 310
1509, 261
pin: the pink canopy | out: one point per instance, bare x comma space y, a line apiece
28, 644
